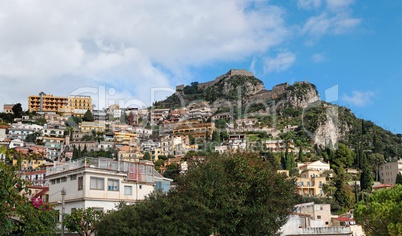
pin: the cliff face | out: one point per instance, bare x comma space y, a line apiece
302, 94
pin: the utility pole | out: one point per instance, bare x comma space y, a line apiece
63, 193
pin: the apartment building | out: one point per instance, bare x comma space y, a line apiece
87, 127
75, 105
78, 105
388, 171
311, 183
46, 103
102, 183
194, 128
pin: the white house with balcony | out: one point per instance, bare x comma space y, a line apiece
102, 183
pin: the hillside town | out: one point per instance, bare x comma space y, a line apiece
75, 156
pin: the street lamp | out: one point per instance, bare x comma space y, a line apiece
63, 193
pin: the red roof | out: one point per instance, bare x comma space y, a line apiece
344, 219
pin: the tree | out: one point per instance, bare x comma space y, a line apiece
83, 221
398, 178
216, 137
88, 116
17, 110
380, 213
16, 209
343, 157
343, 194
130, 118
366, 178
147, 156
236, 194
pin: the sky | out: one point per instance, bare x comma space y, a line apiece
132, 53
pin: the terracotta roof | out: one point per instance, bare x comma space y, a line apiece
344, 219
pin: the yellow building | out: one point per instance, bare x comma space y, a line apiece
78, 105
75, 105
125, 138
29, 164
194, 128
87, 127
311, 183
46, 103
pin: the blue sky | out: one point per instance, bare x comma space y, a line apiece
127, 53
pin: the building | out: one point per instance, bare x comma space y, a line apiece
3, 132
78, 105
75, 105
316, 165
315, 219
388, 171
237, 142
87, 127
8, 108
194, 128
278, 146
125, 138
102, 183
310, 183
46, 103
21, 131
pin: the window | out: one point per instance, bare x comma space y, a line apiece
97, 183
318, 217
308, 183
302, 183
113, 184
80, 183
52, 181
128, 190
320, 183
64, 179
73, 177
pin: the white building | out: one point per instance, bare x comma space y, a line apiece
102, 183
388, 171
316, 165
21, 131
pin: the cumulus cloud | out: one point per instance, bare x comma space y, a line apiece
359, 98
281, 62
131, 46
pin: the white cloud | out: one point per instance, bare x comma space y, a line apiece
281, 62
318, 57
309, 4
359, 98
335, 18
132, 46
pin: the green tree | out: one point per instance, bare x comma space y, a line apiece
88, 116
380, 213
17, 110
366, 178
16, 209
83, 221
147, 156
237, 194
216, 137
343, 193
398, 179
343, 157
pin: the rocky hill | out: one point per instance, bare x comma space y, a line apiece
314, 123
